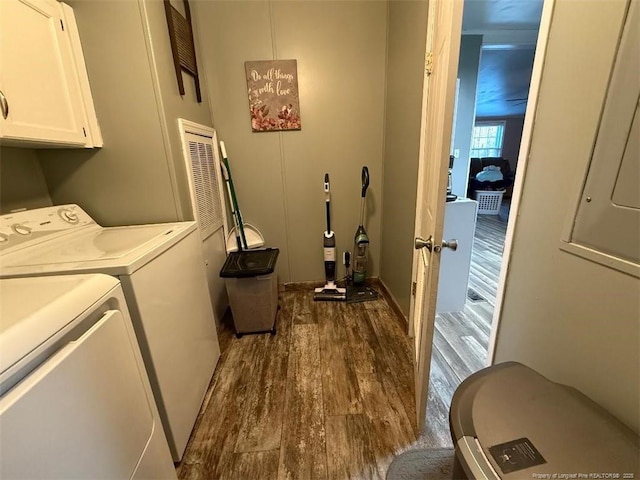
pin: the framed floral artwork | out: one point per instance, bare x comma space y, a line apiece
272, 87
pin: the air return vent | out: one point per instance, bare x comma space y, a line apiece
199, 145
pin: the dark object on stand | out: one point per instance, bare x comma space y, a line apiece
252, 286
330, 291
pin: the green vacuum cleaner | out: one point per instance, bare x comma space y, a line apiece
361, 239
330, 291
357, 290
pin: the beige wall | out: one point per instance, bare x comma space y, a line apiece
174, 105
138, 176
340, 50
573, 320
405, 56
470, 51
22, 184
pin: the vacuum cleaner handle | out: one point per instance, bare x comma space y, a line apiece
365, 180
327, 201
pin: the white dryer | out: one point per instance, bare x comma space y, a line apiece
163, 276
75, 400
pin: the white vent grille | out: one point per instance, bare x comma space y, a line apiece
204, 176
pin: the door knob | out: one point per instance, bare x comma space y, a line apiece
452, 244
422, 243
428, 244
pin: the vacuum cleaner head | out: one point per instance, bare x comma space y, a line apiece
330, 294
361, 293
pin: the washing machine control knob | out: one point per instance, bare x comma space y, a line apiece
21, 229
68, 215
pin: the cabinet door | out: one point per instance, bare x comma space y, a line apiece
37, 75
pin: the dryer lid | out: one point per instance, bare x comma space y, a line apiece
102, 244
112, 250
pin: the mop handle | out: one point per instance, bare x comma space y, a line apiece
234, 198
327, 201
233, 212
225, 174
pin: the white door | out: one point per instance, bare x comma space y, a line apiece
443, 45
39, 91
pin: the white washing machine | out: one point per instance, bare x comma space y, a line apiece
75, 400
163, 277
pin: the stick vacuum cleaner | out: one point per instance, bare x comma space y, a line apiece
330, 291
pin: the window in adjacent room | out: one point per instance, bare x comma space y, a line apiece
487, 139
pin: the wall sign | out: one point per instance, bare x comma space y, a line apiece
272, 86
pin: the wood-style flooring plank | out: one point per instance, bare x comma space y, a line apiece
477, 350
362, 341
486, 258
451, 333
341, 393
264, 409
436, 429
304, 308
398, 351
479, 314
213, 441
225, 335
448, 354
350, 454
254, 465
392, 430
303, 448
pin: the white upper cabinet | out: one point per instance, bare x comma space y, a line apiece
44, 91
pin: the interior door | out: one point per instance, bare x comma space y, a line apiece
443, 45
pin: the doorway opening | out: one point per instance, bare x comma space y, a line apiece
494, 75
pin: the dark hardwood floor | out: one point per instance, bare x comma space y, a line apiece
329, 396
332, 394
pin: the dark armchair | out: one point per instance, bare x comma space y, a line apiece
477, 164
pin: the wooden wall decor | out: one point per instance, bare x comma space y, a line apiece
182, 45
